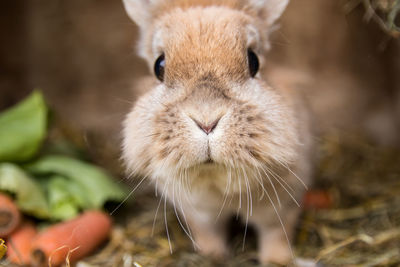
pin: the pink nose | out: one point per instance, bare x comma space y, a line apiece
207, 128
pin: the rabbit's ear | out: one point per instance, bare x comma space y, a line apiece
139, 10
269, 10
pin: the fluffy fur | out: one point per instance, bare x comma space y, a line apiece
256, 162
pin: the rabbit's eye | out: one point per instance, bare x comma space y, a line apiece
159, 67
253, 62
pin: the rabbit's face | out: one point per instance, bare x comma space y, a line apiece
209, 107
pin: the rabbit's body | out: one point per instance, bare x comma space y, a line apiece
213, 136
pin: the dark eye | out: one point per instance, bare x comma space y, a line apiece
253, 62
159, 67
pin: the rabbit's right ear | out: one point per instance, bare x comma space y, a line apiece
268, 10
139, 10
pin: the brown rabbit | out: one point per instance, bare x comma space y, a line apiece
214, 137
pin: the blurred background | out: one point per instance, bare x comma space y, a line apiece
345, 55
81, 55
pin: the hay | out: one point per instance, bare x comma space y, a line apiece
361, 229
383, 12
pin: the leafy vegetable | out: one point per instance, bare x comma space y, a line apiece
66, 197
29, 196
97, 186
22, 129
52, 187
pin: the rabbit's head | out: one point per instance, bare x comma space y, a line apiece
208, 105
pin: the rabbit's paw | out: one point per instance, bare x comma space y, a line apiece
274, 248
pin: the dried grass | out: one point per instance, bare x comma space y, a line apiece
383, 12
361, 229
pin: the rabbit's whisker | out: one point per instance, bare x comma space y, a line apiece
240, 194
272, 185
195, 246
295, 175
128, 196
158, 207
279, 217
249, 206
227, 187
286, 184
177, 215
258, 178
166, 224
275, 176
282, 225
124, 100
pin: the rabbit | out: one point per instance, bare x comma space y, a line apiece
213, 136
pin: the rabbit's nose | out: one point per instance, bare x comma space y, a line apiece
207, 128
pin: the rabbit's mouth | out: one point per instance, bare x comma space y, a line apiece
208, 161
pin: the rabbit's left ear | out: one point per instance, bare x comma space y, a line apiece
268, 10
139, 10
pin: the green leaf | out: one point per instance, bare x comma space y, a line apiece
62, 204
22, 129
29, 196
97, 186
66, 197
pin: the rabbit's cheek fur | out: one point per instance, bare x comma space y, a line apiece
251, 132
248, 135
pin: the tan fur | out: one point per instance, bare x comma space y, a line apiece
262, 136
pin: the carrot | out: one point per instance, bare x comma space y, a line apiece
317, 199
10, 217
19, 244
71, 240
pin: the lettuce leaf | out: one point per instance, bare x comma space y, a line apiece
66, 198
28, 194
96, 185
22, 129
51, 187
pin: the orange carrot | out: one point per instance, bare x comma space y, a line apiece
317, 199
71, 240
19, 244
10, 217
